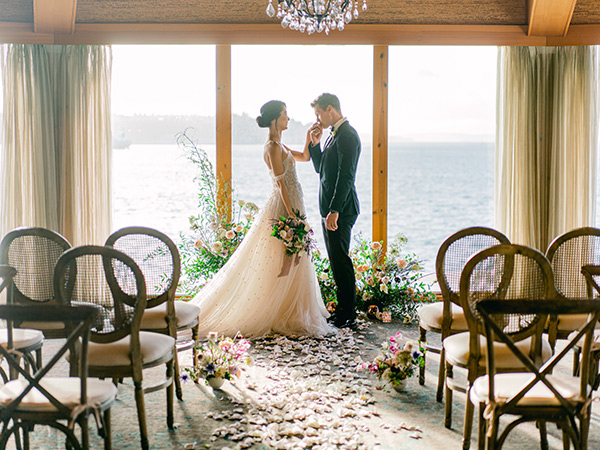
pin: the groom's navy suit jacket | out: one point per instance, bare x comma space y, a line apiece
336, 166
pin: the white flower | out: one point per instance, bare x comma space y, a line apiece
306, 227
358, 276
323, 276
230, 234
217, 246
239, 229
198, 243
241, 203
366, 296
283, 234
212, 336
385, 280
383, 288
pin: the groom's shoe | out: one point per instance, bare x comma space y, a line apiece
348, 323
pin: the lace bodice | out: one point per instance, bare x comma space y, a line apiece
294, 189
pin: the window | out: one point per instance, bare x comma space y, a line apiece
157, 92
441, 143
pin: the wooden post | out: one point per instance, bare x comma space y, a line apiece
380, 143
223, 159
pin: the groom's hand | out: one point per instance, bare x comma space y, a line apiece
331, 221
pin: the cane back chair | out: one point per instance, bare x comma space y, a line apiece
33, 252
505, 272
534, 394
113, 282
592, 277
446, 317
567, 254
51, 400
158, 258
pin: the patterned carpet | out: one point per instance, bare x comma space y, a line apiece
303, 393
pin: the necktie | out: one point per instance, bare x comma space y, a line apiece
330, 138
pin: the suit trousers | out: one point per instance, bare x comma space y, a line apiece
338, 245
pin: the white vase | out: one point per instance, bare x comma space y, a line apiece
215, 382
400, 385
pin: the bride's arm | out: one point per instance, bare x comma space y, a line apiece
275, 163
305, 154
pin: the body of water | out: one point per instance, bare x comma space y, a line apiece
434, 189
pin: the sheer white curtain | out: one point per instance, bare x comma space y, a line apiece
546, 141
57, 140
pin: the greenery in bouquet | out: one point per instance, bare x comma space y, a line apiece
216, 232
220, 357
295, 233
389, 280
396, 361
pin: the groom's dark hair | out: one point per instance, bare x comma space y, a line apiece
324, 100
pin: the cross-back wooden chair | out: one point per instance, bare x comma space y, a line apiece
505, 272
158, 258
446, 317
592, 277
112, 281
50, 400
534, 394
567, 254
23, 340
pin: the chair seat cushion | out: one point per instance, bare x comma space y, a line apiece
457, 351
155, 318
509, 384
22, 338
431, 315
595, 342
570, 322
65, 389
153, 346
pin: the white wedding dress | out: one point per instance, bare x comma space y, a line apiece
248, 296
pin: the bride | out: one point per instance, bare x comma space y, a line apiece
250, 293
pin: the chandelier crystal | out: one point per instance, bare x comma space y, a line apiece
315, 15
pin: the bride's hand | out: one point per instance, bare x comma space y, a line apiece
315, 132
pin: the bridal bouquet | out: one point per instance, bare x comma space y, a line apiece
220, 357
396, 362
295, 232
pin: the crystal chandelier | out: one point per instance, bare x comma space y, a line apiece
315, 15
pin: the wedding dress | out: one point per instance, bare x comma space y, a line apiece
249, 296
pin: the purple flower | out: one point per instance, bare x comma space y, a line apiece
184, 377
211, 369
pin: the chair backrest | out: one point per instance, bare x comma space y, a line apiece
77, 321
592, 277
506, 272
157, 257
456, 251
110, 281
33, 252
567, 254
489, 310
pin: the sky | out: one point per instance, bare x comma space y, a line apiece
435, 92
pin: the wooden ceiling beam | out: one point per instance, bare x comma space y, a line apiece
550, 18
54, 16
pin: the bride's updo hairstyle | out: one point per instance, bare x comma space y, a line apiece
269, 111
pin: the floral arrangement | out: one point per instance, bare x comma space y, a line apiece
383, 280
295, 233
220, 357
396, 361
216, 231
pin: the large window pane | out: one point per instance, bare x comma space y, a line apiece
297, 75
441, 143
157, 92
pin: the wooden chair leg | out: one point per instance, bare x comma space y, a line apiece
176, 379
170, 420
196, 343
141, 410
423, 339
85, 435
448, 392
482, 428
543, 434
576, 357
107, 431
468, 425
493, 433
441, 376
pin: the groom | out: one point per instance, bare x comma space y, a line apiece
338, 203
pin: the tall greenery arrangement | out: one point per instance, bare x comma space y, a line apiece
215, 232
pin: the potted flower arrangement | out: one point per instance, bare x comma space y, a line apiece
397, 362
219, 359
